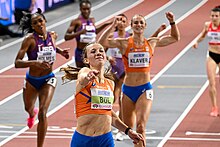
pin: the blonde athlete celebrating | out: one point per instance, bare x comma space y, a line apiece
137, 52
94, 100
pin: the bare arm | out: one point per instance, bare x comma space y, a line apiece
174, 35
202, 35
85, 76
63, 52
110, 42
70, 34
102, 26
136, 137
28, 43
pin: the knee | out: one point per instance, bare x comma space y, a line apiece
141, 128
42, 114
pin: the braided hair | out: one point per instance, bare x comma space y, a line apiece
25, 23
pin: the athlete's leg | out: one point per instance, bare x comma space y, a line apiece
211, 73
143, 108
29, 97
128, 110
45, 96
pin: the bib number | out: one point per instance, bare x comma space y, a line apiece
52, 81
150, 94
139, 59
101, 99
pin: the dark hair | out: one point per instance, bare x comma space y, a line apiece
216, 9
25, 23
123, 15
84, 1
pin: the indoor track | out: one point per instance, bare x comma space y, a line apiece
180, 112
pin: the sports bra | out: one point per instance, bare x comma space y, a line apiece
90, 35
213, 35
95, 98
44, 49
137, 59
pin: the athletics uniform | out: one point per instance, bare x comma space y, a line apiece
214, 39
138, 60
118, 68
44, 51
95, 98
90, 36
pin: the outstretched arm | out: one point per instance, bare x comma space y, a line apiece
174, 35
102, 26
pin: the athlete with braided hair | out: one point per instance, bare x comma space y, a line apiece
212, 30
40, 81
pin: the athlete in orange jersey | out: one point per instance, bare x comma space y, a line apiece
212, 30
94, 99
137, 53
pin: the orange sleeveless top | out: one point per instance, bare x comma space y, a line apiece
95, 98
138, 59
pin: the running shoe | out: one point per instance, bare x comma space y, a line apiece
119, 136
30, 120
214, 112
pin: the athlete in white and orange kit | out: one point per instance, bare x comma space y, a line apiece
137, 53
94, 100
212, 30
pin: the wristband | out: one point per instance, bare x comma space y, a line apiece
126, 131
172, 23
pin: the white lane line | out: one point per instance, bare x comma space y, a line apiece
68, 136
35, 133
62, 40
57, 24
201, 133
186, 48
26, 128
180, 119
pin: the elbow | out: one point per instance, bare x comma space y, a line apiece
66, 38
16, 64
178, 38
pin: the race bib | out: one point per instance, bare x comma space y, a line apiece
47, 54
150, 94
88, 37
214, 37
52, 81
115, 52
139, 59
101, 99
